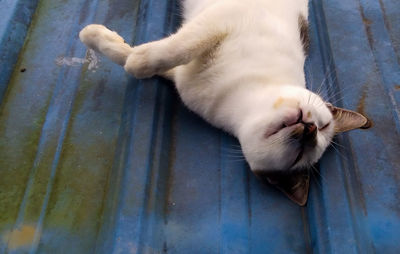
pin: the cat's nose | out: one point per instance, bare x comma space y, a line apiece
310, 134
310, 129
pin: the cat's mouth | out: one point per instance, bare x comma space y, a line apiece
286, 130
307, 137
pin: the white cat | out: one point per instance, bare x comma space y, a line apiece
240, 65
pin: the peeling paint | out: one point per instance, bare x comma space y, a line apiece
91, 59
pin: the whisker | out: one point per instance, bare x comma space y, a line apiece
317, 171
337, 144
317, 179
231, 150
328, 76
341, 99
275, 141
238, 155
343, 92
340, 154
309, 97
230, 158
235, 160
233, 155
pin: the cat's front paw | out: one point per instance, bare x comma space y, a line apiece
144, 61
96, 36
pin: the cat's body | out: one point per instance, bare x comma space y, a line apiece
239, 64
246, 59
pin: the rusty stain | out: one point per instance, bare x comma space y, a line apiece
361, 103
366, 21
397, 87
385, 16
309, 115
20, 237
171, 160
361, 109
367, 24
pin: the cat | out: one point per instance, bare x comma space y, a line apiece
240, 65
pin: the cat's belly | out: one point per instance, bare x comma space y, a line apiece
194, 7
191, 8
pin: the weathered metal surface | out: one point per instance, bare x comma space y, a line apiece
92, 160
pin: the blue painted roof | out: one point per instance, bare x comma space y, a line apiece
92, 160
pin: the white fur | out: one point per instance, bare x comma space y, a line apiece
232, 61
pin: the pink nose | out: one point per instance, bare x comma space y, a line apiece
293, 118
310, 134
310, 128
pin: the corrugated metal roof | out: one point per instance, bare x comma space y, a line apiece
92, 160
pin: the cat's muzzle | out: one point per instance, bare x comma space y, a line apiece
305, 133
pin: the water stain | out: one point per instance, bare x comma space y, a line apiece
20, 237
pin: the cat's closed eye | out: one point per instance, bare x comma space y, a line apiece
325, 126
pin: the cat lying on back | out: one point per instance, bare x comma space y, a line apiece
240, 65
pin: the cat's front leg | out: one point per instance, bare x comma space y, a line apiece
149, 59
107, 42
143, 61
194, 38
190, 41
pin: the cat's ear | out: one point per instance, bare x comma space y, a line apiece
294, 185
346, 120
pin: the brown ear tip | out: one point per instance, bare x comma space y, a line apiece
367, 125
301, 202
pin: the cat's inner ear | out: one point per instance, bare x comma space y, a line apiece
294, 184
346, 120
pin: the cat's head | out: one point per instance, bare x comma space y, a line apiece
290, 134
